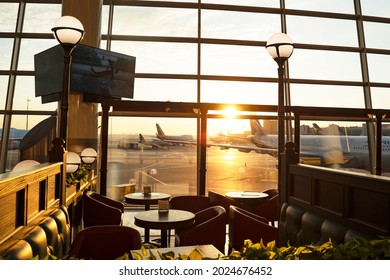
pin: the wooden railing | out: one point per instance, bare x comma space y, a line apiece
29, 196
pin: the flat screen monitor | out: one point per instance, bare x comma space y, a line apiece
93, 71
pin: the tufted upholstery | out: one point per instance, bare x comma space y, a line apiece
51, 236
299, 227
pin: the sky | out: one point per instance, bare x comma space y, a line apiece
218, 60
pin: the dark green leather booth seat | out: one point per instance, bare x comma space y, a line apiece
49, 237
298, 226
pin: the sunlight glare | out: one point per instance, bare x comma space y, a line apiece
230, 112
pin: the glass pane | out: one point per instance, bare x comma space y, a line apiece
30, 47
380, 98
127, 159
337, 6
165, 90
48, 14
325, 65
239, 92
239, 25
105, 15
340, 145
378, 66
232, 170
374, 34
3, 91
326, 96
236, 61
379, 8
25, 96
8, 16
5, 53
155, 21
172, 58
333, 31
257, 3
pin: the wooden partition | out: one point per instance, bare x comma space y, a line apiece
356, 200
26, 195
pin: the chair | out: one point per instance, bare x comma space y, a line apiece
101, 210
192, 203
269, 209
246, 225
104, 242
209, 228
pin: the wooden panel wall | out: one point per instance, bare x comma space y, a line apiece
360, 201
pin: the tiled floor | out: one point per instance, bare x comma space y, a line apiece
154, 234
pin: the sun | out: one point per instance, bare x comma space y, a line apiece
230, 112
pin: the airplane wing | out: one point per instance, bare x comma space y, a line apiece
245, 148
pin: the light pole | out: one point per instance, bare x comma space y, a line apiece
280, 48
68, 31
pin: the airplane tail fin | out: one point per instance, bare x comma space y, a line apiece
257, 128
160, 132
141, 139
317, 130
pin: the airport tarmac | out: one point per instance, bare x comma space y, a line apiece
174, 170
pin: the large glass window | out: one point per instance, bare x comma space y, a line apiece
325, 65
377, 65
327, 96
155, 21
8, 16
236, 61
322, 6
169, 167
5, 53
228, 63
155, 57
333, 31
239, 92
162, 90
48, 14
239, 25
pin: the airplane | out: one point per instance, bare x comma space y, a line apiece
177, 139
341, 151
154, 143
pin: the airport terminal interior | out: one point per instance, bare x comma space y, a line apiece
192, 97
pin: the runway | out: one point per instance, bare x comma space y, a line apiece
174, 170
